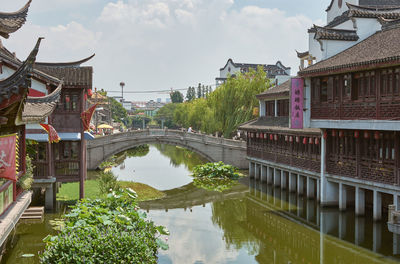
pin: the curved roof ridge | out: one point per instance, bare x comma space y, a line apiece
12, 21
52, 97
65, 64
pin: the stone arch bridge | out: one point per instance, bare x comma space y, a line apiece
212, 148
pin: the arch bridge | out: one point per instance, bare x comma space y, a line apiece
212, 148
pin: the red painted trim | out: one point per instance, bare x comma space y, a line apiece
35, 93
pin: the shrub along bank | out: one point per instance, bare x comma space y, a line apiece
110, 230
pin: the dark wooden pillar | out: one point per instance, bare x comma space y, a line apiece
358, 156
82, 154
397, 157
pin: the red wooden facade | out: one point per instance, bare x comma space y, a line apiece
373, 94
294, 149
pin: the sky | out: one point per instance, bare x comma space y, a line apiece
154, 45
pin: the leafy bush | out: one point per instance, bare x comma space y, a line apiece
110, 230
217, 170
215, 176
25, 182
107, 181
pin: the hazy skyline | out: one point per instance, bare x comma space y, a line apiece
159, 44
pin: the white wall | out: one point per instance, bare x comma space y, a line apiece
336, 11
224, 72
314, 47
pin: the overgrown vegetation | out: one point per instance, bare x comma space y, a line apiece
215, 176
110, 230
25, 182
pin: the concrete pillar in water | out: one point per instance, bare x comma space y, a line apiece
396, 244
310, 187
283, 179
50, 197
277, 177
300, 184
300, 206
270, 172
360, 201
292, 201
251, 169
377, 206
377, 237
257, 171
263, 173
342, 225
342, 197
292, 182
396, 202
318, 195
359, 230
310, 210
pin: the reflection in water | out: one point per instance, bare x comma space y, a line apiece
250, 223
164, 167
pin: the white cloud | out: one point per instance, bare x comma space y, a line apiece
158, 44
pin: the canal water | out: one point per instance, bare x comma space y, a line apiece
250, 223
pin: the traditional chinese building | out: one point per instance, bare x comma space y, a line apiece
344, 112
17, 109
276, 72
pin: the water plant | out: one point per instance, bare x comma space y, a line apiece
110, 230
216, 176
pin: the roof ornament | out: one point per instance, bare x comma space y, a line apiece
11, 22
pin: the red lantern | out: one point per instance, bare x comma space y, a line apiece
305, 141
271, 137
291, 139
257, 135
356, 134
276, 137
366, 134
90, 93
261, 135
376, 135
341, 133
297, 139
67, 99
310, 141
316, 141
265, 136
286, 138
325, 135
333, 133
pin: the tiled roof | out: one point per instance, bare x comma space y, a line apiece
9, 58
20, 79
381, 48
374, 12
74, 64
330, 6
302, 54
72, 76
389, 23
276, 125
334, 34
11, 22
272, 69
339, 20
279, 90
378, 3
37, 109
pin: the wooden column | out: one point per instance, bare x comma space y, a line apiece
82, 155
397, 157
358, 156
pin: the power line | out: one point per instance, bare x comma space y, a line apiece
155, 91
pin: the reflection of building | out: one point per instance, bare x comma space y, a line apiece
347, 143
274, 71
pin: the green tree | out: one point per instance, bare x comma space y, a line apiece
166, 113
199, 91
190, 94
176, 97
119, 113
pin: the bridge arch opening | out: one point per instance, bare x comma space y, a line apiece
152, 142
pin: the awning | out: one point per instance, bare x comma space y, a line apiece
105, 126
63, 136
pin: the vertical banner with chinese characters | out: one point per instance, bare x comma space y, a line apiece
297, 103
8, 157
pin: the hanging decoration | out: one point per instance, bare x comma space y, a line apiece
333, 133
305, 141
366, 134
53, 136
310, 141
356, 134
87, 116
325, 134
316, 141
291, 139
376, 135
341, 133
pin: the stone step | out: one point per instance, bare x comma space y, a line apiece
31, 217
33, 213
35, 209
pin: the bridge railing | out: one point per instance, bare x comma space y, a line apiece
183, 135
